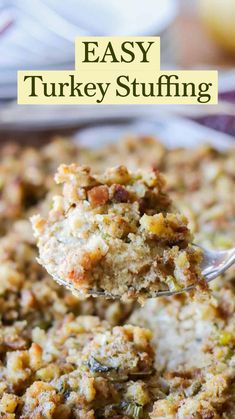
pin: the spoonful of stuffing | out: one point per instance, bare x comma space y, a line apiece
118, 235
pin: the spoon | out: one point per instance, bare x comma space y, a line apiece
214, 263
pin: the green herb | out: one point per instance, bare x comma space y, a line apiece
193, 389
95, 366
43, 324
141, 374
229, 354
134, 410
62, 387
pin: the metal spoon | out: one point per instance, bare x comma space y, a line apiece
214, 263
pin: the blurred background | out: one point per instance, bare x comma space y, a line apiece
39, 34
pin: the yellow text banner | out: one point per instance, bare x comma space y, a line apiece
115, 87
